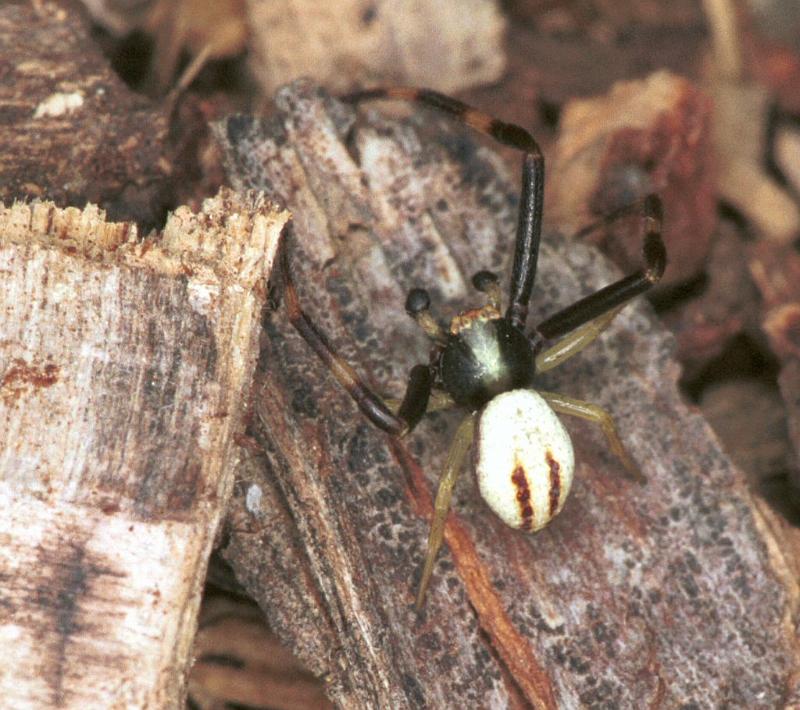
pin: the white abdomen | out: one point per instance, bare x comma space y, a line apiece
523, 459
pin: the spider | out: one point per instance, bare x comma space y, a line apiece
486, 363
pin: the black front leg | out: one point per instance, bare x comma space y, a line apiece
613, 295
371, 405
529, 233
529, 223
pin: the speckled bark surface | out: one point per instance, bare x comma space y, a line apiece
665, 595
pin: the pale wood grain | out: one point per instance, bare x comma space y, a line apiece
124, 371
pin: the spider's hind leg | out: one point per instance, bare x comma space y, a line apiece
456, 457
439, 401
594, 413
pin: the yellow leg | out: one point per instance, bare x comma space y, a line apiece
576, 341
452, 468
598, 415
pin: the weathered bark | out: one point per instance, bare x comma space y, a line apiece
70, 130
669, 594
124, 368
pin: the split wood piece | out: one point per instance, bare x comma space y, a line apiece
70, 130
444, 46
652, 135
124, 372
618, 602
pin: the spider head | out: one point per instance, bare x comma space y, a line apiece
484, 356
483, 353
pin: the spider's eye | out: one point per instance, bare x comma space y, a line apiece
523, 459
484, 280
417, 301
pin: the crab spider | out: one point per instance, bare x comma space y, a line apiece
486, 364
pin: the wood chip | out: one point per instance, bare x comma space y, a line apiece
740, 119
443, 46
644, 136
124, 371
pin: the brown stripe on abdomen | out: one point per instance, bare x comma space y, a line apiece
555, 481
520, 481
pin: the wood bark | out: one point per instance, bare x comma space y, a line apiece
70, 130
124, 368
678, 593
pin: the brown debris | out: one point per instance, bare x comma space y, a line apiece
644, 136
751, 421
327, 529
769, 32
741, 106
789, 383
239, 661
740, 117
787, 155
355, 42
776, 272
727, 307
70, 130
782, 325
206, 30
